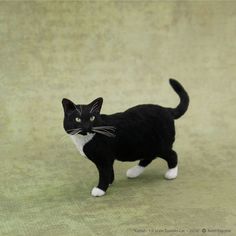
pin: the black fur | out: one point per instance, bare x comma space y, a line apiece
143, 133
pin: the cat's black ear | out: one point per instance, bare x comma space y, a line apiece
96, 105
68, 105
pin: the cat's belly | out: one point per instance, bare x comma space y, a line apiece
135, 156
131, 152
80, 141
128, 158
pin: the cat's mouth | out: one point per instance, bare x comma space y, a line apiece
73, 131
86, 133
108, 131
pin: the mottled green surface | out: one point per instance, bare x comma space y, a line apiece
125, 52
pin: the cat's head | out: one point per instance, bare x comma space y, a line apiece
82, 119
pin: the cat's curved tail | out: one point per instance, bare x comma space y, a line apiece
184, 99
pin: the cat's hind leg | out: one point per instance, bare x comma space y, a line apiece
172, 161
138, 169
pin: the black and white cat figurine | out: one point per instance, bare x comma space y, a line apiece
143, 133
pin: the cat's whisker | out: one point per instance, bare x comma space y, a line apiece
76, 131
63, 137
104, 132
72, 129
105, 127
66, 135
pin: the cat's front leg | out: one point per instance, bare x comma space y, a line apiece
105, 178
112, 176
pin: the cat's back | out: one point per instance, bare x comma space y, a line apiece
147, 112
140, 114
144, 107
145, 119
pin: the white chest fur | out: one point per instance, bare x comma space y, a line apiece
80, 140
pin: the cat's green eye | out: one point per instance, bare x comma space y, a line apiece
92, 118
77, 119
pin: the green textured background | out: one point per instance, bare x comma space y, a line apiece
125, 52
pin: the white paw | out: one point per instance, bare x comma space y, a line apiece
134, 171
97, 192
171, 173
